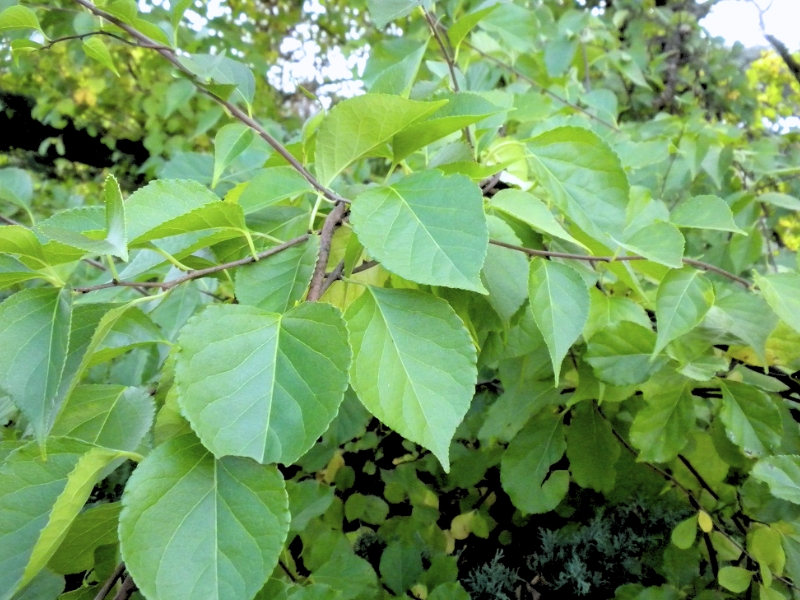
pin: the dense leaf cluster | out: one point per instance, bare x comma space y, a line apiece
522, 319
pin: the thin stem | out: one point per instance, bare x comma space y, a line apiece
126, 589
167, 285
333, 276
592, 259
109, 583
332, 221
83, 36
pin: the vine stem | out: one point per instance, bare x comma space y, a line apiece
167, 285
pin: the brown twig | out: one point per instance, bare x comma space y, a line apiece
688, 261
83, 36
332, 276
126, 589
332, 221
109, 583
166, 285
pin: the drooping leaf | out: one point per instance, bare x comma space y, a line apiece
95, 48
782, 292
525, 467
584, 179
428, 227
230, 142
683, 299
111, 416
746, 316
705, 212
660, 242
232, 513
413, 365
620, 353
462, 110
505, 271
277, 282
606, 309
227, 72
529, 209
459, 30
94, 527
259, 384
592, 449
780, 200
384, 11
21, 241
560, 304
271, 186
358, 126
660, 429
19, 17
39, 499
13, 272
752, 420
116, 234
781, 474
34, 335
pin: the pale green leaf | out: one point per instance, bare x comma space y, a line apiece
178, 9
683, 299
94, 527
428, 228
781, 474
22, 242
278, 282
685, 533
529, 209
782, 292
39, 499
780, 200
222, 217
230, 142
116, 235
13, 272
505, 271
34, 333
560, 304
584, 178
384, 11
227, 72
393, 66
606, 309
752, 420
259, 384
461, 28
81, 228
19, 17
704, 212
660, 429
95, 48
525, 467
357, 126
592, 449
307, 500
620, 353
111, 416
462, 110
746, 316
735, 579
414, 364
660, 242
195, 525
16, 185
271, 186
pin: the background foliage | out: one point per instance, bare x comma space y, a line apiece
520, 321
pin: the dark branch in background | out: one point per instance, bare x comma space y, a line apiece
167, 285
109, 583
784, 53
126, 589
21, 131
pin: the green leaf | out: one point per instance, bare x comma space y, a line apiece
278, 282
370, 509
393, 66
116, 235
462, 110
620, 353
13, 272
705, 212
34, 333
19, 17
401, 566
224, 71
529, 209
504, 271
413, 366
747, 317
735, 579
459, 30
752, 420
230, 142
192, 524
428, 228
585, 180
782, 292
685, 533
259, 384
271, 186
592, 449
307, 500
384, 11
780, 200
350, 576
95, 48
525, 468
22, 242
16, 185
781, 474
684, 297
94, 527
450, 591
39, 499
111, 416
357, 126
560, 304
660, 242
606, 310
660, 429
